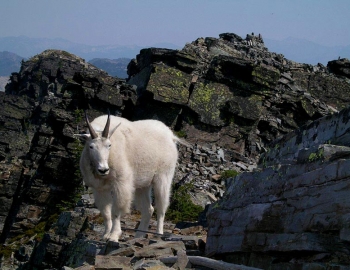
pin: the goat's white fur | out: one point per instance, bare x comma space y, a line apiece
135, 157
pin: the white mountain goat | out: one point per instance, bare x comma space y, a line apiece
121, 162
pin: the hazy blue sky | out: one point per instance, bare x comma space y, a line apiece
147, 22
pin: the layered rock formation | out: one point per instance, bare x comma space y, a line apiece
292, 212
234, 92
229, 97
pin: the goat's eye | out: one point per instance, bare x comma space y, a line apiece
109, 146
91, 147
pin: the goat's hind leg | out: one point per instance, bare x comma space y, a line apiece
143, 204
162, 187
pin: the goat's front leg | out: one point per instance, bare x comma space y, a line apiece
104, 204
116, 230
108, 226
122, 198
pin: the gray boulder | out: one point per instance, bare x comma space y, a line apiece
293, 211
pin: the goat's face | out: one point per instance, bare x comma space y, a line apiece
98, 148
99, 154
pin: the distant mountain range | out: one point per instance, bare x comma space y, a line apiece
28, 47
3, 81
9, 62
304, 51
298, 50
114, 67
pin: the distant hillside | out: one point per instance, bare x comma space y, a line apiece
298, 50
304, 51
28, 47
9, 62
114, 67
3, 82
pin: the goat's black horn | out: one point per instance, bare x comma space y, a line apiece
91, 129
106, 129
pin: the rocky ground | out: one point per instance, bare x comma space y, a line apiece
229, 97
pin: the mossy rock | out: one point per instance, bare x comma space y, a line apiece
266, 75
207, 100
169, 85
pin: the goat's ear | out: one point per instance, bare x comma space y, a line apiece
114, 129
83, 137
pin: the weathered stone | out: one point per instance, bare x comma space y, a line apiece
119, 250
112, 262
182, 260
340, 67
288, 204
150, 265
160, 249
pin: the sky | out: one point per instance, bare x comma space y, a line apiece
148, 22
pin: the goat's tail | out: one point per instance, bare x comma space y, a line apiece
181, 141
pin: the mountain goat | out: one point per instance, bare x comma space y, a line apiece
121, 162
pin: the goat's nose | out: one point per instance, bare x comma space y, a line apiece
103, 170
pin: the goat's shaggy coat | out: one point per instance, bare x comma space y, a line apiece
123, 163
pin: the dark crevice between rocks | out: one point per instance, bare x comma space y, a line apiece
180, 118
15, 206
4, 148
190, 91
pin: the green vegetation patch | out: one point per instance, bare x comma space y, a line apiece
38, 231
229, 174
181, 206
180, 134
316, 156
75, 183
78, 117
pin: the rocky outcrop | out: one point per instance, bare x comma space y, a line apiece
41, 110
234, 92
229, 97
293, 211
340, 67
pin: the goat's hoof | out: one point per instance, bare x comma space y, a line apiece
114, 237
106, 237
116, 240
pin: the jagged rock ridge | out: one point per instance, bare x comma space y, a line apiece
234, 92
